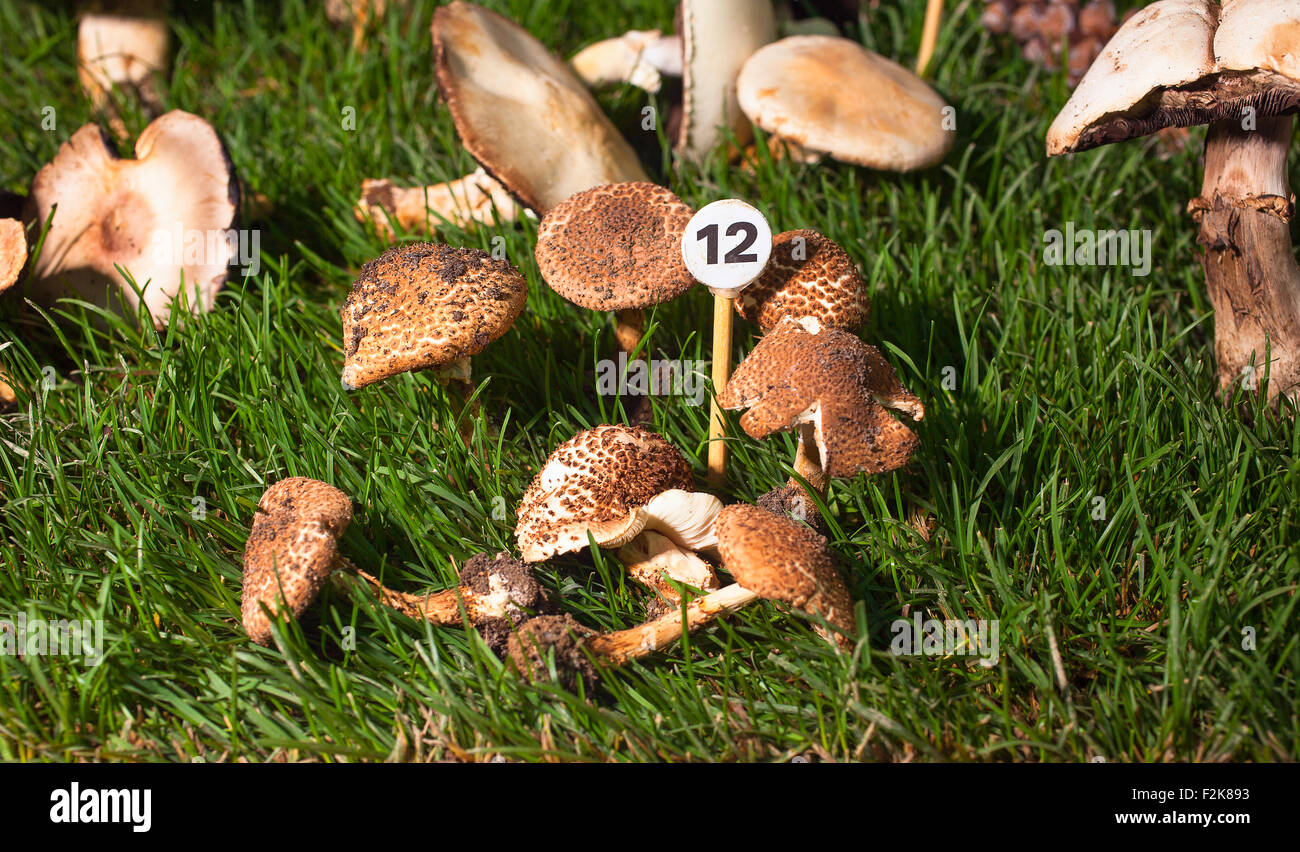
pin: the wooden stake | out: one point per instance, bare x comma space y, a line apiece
929, 34
722, 315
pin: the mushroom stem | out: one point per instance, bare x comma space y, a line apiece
638, 57
477, 198
808, 459
929, 34
1244, 213
623, 645
628, 327
651, 557
441, 608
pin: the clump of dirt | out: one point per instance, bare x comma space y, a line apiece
536, 640
527, 596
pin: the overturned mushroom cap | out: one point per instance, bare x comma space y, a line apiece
165, 215
521, 111
782, 560
291, 550
804, 372
807, 276
809, 90
616, 247
1179, 63
426, 305
13, 251
612, 482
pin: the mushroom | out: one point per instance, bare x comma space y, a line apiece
715, 38
807, 91
357, 14
616, 248
426, 306
292, 551
770, 557
627, 488
808, 275
167, 217
522, 114
124, 45
13, 252
834, 389
1178, 63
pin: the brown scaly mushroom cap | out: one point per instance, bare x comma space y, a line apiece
291, 550
530, 646
803, 372
779, 559
808, 275
129, 212
13, 252
426, 305
614, 482
616, 247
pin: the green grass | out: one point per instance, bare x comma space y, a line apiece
1071, 383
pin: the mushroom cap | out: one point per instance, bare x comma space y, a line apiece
142, 214
13, 251
717, 37
424, 305
522, 112
1179, 63
508, 589
292, 547
804, 372
810, 90
782, 560
599, 481
616, 247
808, 275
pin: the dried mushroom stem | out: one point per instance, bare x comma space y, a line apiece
441, 608
1244, 211
808, 460
623, 645
475, 199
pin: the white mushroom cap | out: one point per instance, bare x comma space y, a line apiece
833, 96
123, 48
1259, 35
140, 214
521, 111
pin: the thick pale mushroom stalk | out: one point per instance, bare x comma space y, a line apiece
1244, 212
475, 199
639, 57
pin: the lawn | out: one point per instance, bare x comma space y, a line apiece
1079, 480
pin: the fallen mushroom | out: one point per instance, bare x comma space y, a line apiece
616, 248
714, 39
1234, 67
522, 114
807, 92
770, 557
423, 306
167, 217
808, 275
124, 45
618, 484
834, 389
476, 198
292, 551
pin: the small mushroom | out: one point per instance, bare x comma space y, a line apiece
426, 306
616, 248
167, 217
808, 275
615, 484
834, 389
771, 557
124, 45
357, 14
807, 91
13, 252
1235, 67
292, 551
522, 114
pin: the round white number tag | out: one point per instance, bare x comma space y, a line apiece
727, 245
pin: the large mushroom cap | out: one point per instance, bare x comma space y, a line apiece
616, 247
599, 481
1179, 63
164, 216
803, 372
782, 560
521, 111
425, 305
291, 549
832, 96
807, 276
